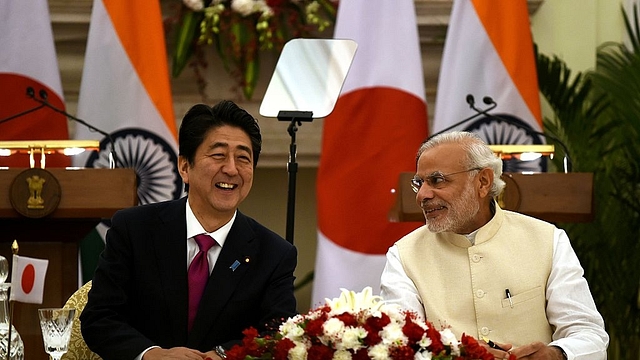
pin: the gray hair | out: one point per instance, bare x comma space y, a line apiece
479, 155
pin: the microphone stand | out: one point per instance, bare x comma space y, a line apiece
21, 114
489, 101
470, 101
295, 119
113, 158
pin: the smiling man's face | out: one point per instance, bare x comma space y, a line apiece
453, 204
221, 175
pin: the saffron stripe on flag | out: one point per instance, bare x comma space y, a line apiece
489, 52
125, 90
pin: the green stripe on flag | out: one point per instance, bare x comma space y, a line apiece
90, 248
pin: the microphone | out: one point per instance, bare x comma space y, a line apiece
113, 158
471, 101
489, 101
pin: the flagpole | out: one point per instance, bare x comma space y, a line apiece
14, 251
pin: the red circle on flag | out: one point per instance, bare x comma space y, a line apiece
28, 278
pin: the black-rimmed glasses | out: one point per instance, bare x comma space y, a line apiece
435, 180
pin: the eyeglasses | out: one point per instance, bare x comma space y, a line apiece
435, 180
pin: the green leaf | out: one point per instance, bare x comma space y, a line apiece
184, 41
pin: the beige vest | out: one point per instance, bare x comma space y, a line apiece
463, 286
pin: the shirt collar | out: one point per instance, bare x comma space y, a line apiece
195, 228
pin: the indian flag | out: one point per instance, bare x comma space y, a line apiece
125, 91
488, 53
372, 136
28, 61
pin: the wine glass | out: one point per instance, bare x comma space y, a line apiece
56, 330
4, 269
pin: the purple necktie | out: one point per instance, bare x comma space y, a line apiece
198, 274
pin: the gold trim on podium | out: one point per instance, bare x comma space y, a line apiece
45, 147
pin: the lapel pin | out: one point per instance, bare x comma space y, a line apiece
235, 265
247, 259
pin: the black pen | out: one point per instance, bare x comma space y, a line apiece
493, 345
508, 294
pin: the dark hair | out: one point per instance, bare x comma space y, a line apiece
200, 119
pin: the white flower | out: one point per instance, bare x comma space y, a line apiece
392, 334
423, 355
350, 301
425, 342
299, 352
333, 328
195, 5
248, 7
448, 338
341, 355
290, 329
378, 352
394, 313
353, 337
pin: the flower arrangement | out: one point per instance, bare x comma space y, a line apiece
239, 29
357, 326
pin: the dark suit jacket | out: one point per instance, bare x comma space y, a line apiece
139, 296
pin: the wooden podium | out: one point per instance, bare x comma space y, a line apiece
86, 197
553, 197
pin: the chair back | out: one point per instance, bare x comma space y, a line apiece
78, 349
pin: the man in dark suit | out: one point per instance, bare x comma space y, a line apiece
141, 299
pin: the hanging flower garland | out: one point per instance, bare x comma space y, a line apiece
240, 29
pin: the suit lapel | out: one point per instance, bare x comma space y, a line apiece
171, 253
234, 260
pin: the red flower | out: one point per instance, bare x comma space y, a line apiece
472, 349
314, 327
320, 347
436, 346
281, 351
348, 319
412, 330
320, 352
236, 353
361, 354
373, 336
275, 3
377, 323
402, 353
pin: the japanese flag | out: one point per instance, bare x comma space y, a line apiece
27, 279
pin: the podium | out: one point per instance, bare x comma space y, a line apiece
86, 197
553, 197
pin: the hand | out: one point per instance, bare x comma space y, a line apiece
501, 353
174, 353
537, 351
212, 355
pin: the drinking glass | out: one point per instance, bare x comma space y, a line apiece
56, 330
4, 269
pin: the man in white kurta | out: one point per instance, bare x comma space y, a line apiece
487, 272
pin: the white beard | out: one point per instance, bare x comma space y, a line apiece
460, 212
